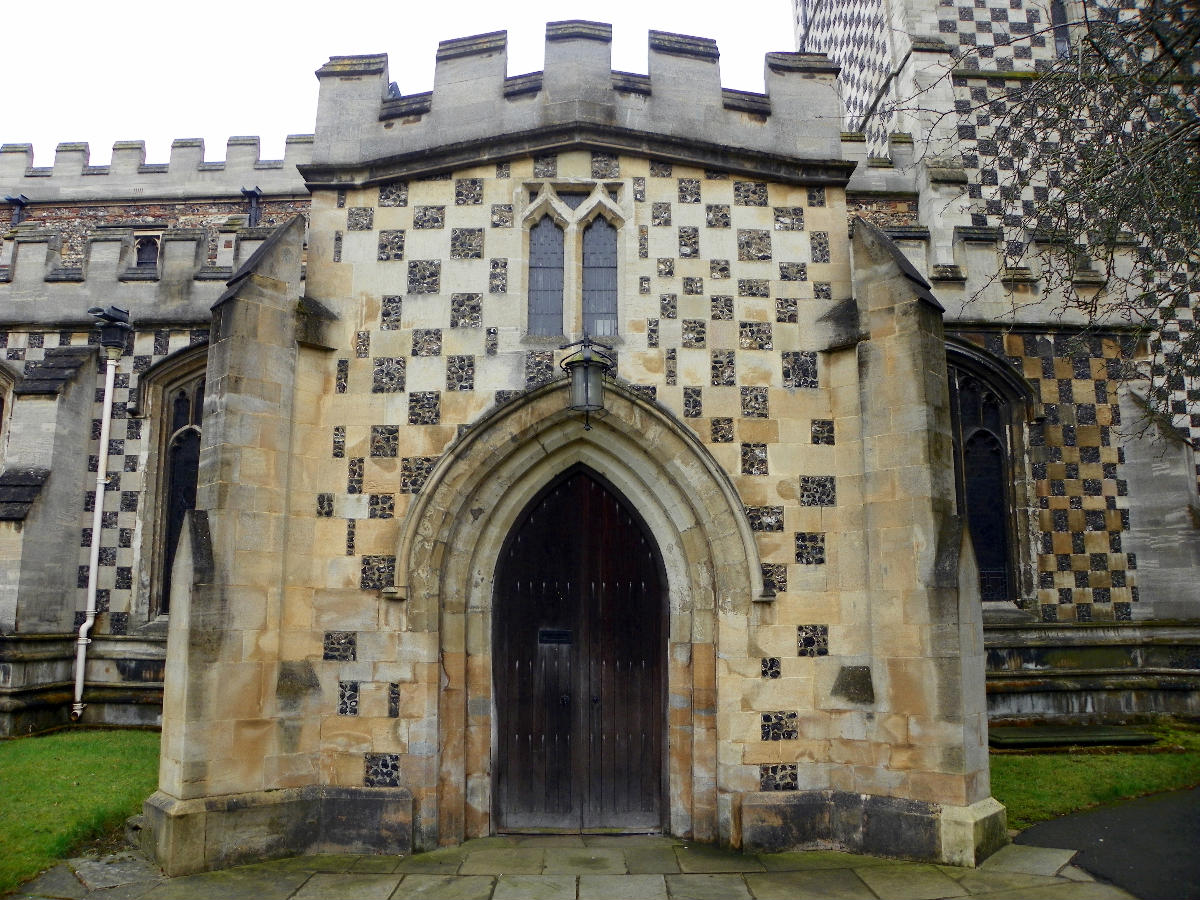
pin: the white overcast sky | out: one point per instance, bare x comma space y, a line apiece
86, 71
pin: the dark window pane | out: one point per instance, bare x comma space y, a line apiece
1062, 34
983, 463
147, 252
545, 278
183, 462
600, 278
181, 410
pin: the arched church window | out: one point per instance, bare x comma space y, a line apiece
600, 278
985, 421
146, 251
181, 464
546, 277
1062, 34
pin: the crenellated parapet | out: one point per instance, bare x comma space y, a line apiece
679, 110
129, 177
38, 290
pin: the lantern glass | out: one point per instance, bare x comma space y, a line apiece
587, 386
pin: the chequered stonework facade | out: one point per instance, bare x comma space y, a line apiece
855, 33
980, 54
381, 332
719, 274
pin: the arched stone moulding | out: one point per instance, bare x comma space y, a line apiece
446, 562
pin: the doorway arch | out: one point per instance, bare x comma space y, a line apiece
452, 539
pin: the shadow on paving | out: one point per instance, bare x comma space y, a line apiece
548, 867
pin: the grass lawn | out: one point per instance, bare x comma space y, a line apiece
1043, 785
61, 790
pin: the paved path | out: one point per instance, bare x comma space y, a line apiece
1150, 846
582, 868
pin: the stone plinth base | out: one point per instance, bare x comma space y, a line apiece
187, 836
883, 826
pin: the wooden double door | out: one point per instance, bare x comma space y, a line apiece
578, 656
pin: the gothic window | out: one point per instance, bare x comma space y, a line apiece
985, 420
573, 259
600, 279
1062, 34
181, 463
146, 253
546, 277
169, 397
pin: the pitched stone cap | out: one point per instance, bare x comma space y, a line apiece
370, 64
18, 489
257, 258
802, 62
50, 375
930, 45
920, 286
684, 45
472, 45
576, 29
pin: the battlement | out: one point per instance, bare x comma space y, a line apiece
36, 288
128, 176
476, 111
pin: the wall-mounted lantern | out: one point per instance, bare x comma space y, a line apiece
588, 367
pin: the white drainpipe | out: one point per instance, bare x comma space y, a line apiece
111, 354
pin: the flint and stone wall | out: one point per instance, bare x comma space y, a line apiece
781, 425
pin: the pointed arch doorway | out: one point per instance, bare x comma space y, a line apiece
579, 643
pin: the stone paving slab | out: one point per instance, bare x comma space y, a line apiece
503, 861
126, 891
549, 840
975, 881
57, 882
445, 887
116, 869
818, 859
637, 841
593, 860
707, 887
1031, 860
910, 881
535, 887
1068, 890
703, 859
436, 862
329, 886
622, 887
652, 860
818, 884
244, 881
384, 865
